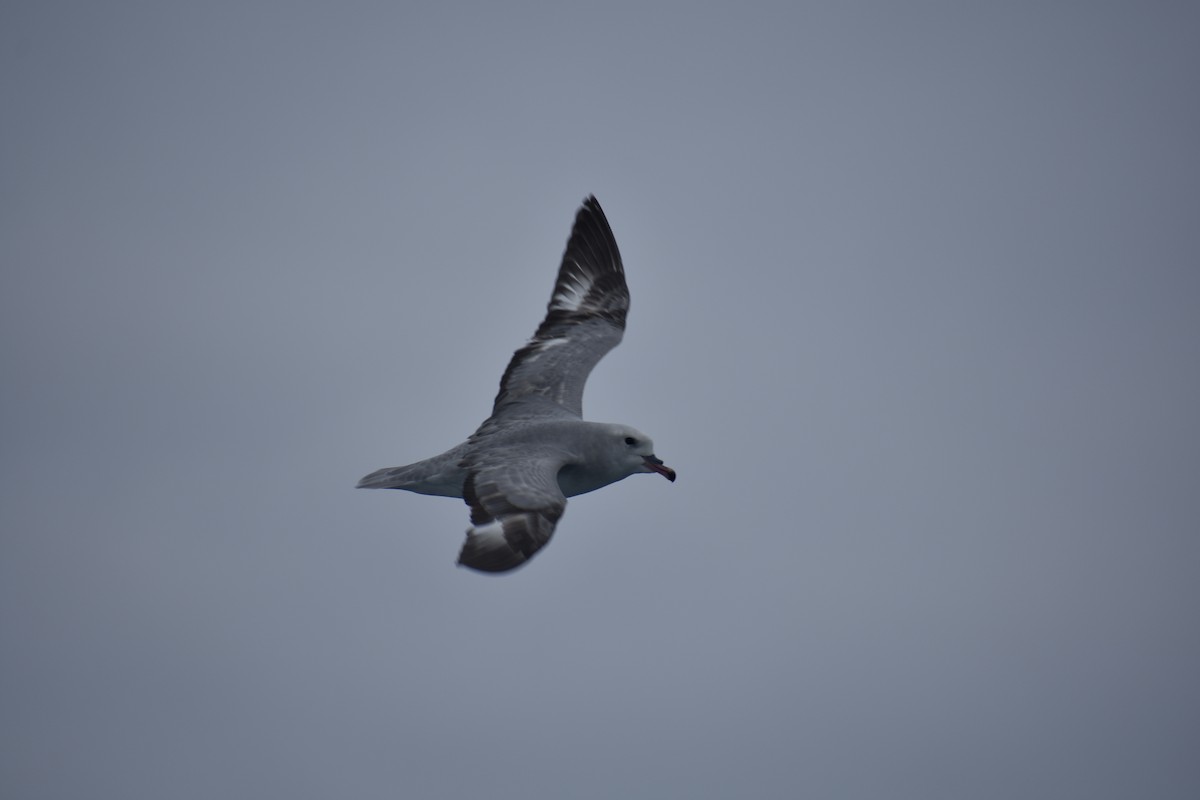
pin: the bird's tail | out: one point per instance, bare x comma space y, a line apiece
388, 478
441, 475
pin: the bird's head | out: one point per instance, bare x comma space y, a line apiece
635, 450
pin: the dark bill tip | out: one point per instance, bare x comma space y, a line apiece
658, 466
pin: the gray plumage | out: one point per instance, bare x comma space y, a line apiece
534, 451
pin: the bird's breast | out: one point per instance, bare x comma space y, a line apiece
574, 479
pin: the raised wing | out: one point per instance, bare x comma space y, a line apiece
514, 508
584, 320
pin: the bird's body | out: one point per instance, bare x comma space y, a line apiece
444, 475
535, 450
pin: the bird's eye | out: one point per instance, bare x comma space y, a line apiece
632, 442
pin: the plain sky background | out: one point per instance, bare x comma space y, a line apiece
916, 317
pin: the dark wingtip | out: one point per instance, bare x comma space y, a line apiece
493, 563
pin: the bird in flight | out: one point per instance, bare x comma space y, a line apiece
535, 450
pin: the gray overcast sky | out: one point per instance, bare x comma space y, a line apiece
915, 316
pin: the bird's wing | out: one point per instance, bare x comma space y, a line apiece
584, 320
515, 504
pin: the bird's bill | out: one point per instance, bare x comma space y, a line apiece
656, 465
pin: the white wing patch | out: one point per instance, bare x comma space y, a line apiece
489, 536
570, 295
546, 344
